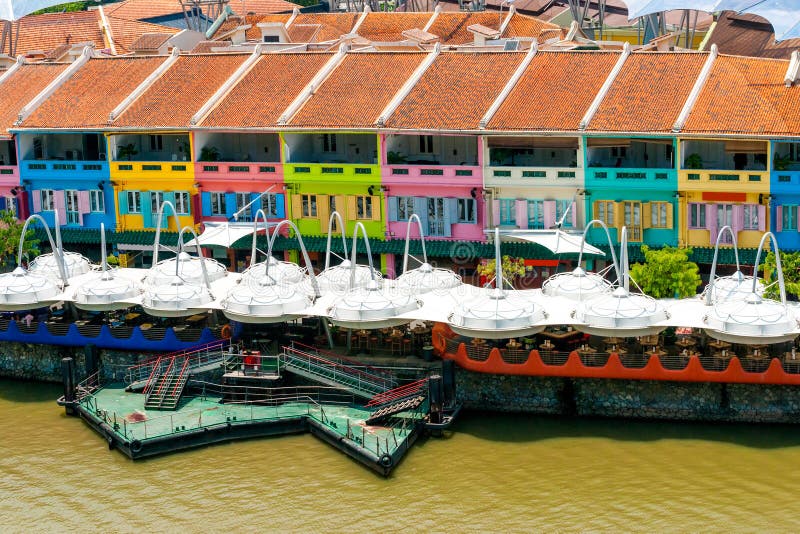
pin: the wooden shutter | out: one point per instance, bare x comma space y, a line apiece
36, 195
549, 208
147, 210
205, 199
711, 222
573, 212
391, 206
61, 206
169, 196
84, 204
230, 205
595, 212
619, 217
376, 207
522, 213
779, 219
738, 218
670, 216
647, 212
495, 212
280, 205
323, 212
421, 209
297, 206
352, 212
762, 218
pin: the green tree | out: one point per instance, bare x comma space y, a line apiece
10, 234
667, 273
790, 263
513, 268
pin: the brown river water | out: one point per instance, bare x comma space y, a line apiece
493, 473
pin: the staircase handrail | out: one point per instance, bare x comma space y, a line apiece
217, 343
148, 384
339, 357
167, 373
331, 363
181, 379
397, 393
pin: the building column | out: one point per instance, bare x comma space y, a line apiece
387, 265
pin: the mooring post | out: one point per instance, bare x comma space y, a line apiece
435, 394
90, 359
449, 382
67, 379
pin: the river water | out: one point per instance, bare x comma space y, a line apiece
495, 472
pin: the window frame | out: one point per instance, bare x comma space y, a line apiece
561, 207
364, 207
790, 222
134, 199
750, 222
658, 210
97, 201
309, 208
269, 205
507, 215
183, 203
47, 199
329, 143
466, 206
697, 216
156, 199
535, 222
606, 212
218, 198
405, 207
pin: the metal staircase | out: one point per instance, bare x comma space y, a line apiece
167, 388
362, 383
394, 408
203, 358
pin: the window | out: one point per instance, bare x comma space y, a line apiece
71, 205
750, 217
725, 218
536, 214
218, 204
242, 200
272, 38
426, 144
48, 200
794, 151
363, 207
467, 211
697, 215
134, 202
405, 208
156, 143
38, 148
436, 224
605, 212
507, 211
182, 202
269, 203
97, 202
309, 205
329, 142
658, 214
562, 206
11, 205
789, 218
633, 219
156, 199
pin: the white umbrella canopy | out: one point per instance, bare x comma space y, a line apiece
640, 8
14, 10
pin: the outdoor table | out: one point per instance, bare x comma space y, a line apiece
513, 345
649, 341
618, 350
478, 341
131, 316
613, 340
196, 318
719, 345
686, 343
547, 346
146, 326
560, 336
792, 359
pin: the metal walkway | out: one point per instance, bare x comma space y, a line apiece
199, 359
164, 391
362, 383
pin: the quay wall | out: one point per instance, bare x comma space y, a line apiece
504, 393
641, 399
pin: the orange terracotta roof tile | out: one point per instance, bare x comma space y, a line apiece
21, 87
304, 33
452, 27
51, 30
253, 33
358, 90
126, 32
525, 26
555, 91
208, 47
148, 9
746, 96
388, 27
181, 91
87, 98
259, 99
334, 25
456, 91
150, 41
261, 7
649, 92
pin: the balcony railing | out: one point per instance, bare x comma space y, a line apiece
236, 169
34, 167
425, 172
701, 178
534, 175
634, 176
334, 171
151, 167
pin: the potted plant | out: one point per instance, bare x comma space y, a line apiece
395, 158
781, 163
693, 161
209, 153
126, 151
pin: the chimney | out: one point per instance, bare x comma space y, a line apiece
239, 35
